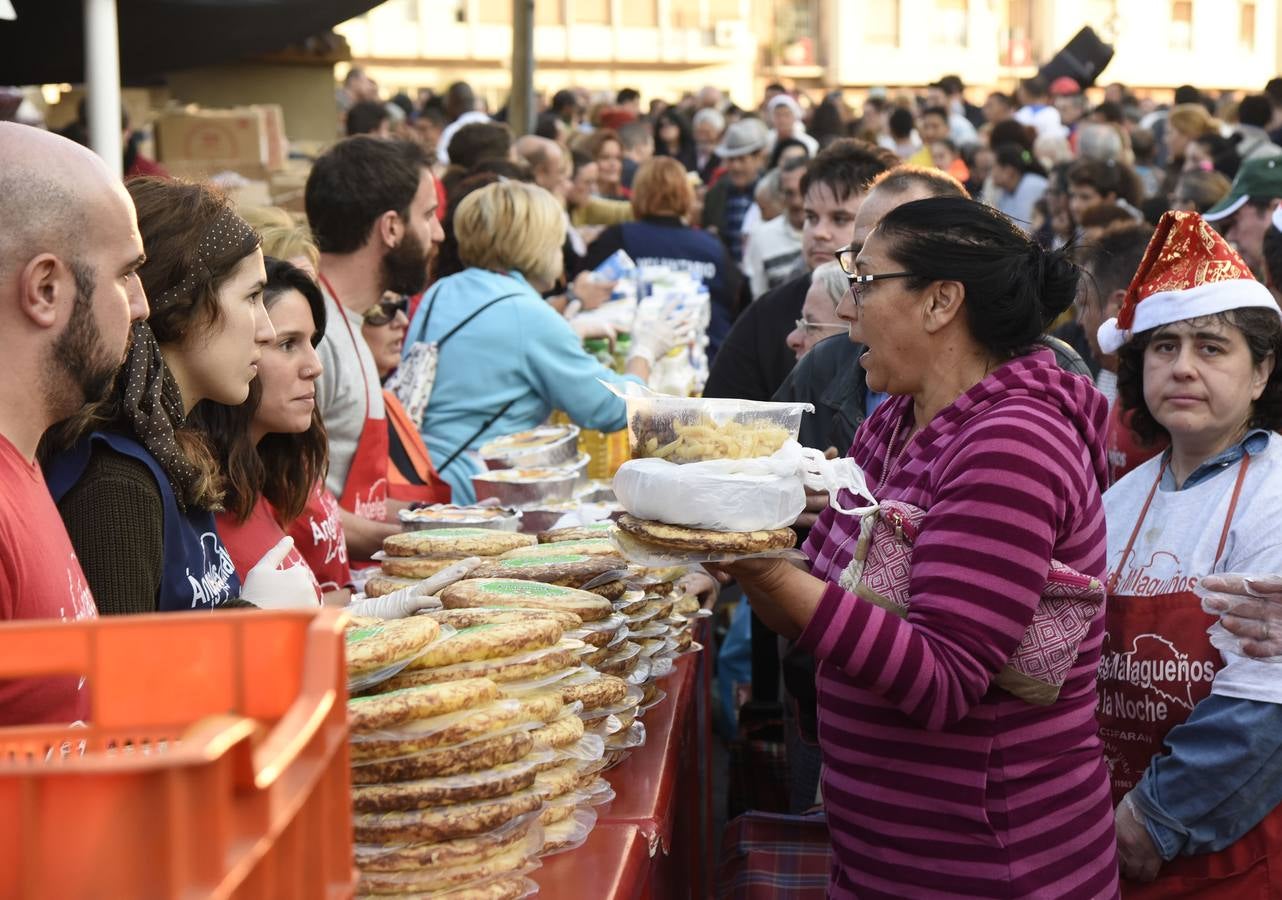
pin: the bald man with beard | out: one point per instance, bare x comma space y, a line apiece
69, 291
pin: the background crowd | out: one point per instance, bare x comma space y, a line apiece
235, 388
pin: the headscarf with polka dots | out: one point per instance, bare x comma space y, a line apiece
153, 402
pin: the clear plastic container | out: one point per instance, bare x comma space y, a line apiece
693, 429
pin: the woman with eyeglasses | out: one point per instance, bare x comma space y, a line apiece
410, 474
819, 317
961, 752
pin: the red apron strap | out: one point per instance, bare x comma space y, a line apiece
1135, 532
1237, 493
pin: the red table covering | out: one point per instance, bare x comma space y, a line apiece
612, 865
654, 841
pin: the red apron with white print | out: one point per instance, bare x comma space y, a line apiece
1156, 665
318, 535
248, 541
365, 492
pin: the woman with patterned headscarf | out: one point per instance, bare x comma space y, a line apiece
136, 485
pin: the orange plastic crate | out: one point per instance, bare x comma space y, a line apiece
215, 764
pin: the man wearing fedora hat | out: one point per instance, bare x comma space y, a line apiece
743, 150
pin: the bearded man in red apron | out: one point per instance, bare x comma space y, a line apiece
1193, 733
371, 205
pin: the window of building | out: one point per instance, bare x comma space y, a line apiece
951, 23
591, 12
494, 12
881, 22
1019, 34
639, 14
1246, 26
549, 12
1182, 25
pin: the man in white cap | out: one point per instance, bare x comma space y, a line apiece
785, 115
743, 149
1191, 725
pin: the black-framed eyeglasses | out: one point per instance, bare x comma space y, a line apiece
385, 310
846, 259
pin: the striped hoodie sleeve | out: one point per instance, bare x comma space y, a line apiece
979, 566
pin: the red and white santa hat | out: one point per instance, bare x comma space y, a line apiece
1188, 271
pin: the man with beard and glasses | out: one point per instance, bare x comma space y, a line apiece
372, 206
69, 253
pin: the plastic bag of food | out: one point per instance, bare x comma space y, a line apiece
378, 650
693, 429
521, 833
444, 790
444, 823
569, 834
759, 494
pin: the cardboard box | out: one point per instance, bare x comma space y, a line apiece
223, 139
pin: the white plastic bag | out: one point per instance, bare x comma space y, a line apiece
759, 494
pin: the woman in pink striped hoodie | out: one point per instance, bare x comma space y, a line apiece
938, 782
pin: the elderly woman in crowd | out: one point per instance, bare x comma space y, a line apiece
1192, 727
507, 359
661, 202
951, 766
819, 317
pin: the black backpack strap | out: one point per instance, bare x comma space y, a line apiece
506, 406
453, 331
476, 434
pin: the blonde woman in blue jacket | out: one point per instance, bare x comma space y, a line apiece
508, 359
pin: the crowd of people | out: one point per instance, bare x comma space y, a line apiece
1045, 328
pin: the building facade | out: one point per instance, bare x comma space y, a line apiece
660, 47
668, 47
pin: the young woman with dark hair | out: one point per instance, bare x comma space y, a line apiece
1093, 181
137, 484
275, 448
674, 137
989, 459
1020, 181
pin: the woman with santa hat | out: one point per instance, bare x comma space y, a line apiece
1192, 727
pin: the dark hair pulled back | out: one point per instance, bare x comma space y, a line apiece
1014, 288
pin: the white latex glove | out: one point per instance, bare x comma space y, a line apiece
587, 328
1250, 611
268, 587
654, 336
396, 605
409, 600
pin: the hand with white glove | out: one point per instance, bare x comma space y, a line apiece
269, 587
407, 601
654, 336
397, 605
589, 291
588, 328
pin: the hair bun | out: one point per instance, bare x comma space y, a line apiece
1057, 278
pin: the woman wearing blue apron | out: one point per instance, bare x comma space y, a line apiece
136, 486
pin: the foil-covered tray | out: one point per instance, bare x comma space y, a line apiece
548, 446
